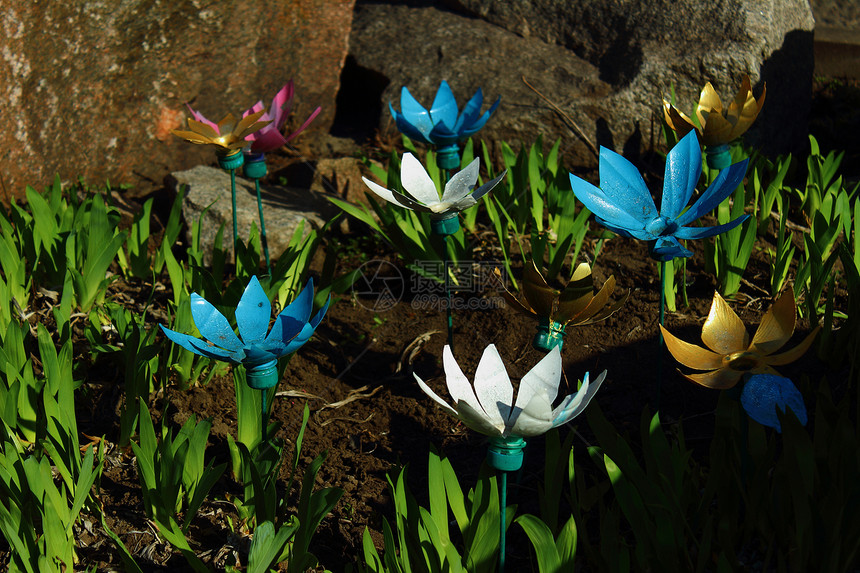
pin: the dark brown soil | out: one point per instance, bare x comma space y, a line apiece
360, 354
363, 360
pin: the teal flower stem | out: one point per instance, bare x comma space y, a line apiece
263, 238
503, 501
255, 168
264, 416
660, 332
448, 306
443, 174
445, 228
231, 163
505, 454
235, 226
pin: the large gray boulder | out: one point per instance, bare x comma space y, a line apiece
418, 47
605, 63
93, 88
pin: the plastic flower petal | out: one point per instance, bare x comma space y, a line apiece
488, 406
270, 137
441, 124
423, 196
763, 393
624, 205
718, 126
293, 327
576, 304
730, 354
228, 135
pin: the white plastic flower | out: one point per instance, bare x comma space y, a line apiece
458, 194
486, 407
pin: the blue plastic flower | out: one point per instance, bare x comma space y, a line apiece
443, 125
624, 205
762, 394
293, 327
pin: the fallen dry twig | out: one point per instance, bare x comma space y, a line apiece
567, 119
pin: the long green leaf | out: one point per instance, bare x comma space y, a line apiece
543, 543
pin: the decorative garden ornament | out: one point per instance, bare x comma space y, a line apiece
575, 305
228, 137
459, 194
624, 205
763, 393
293, 327
717, 126
730, 354
443, 125
256, 350
269, 139
488, 407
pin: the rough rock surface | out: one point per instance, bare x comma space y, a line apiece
837, 13
94, 88
340, 177
606, 64
208, 190
470, 54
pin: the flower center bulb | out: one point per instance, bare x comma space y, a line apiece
718, 156
742, 361
262, 376
255, 165
230, 160
661, 225
444, 225
549, 335
448, 157
506, 453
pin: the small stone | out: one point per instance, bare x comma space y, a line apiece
284, 209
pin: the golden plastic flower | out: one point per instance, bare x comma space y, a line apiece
718, 126
575, 304
227, 135
731, 354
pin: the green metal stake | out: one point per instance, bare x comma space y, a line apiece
449, 304
235, 226
231, 163
660, 332
505, 454
263, 238
445, 228
255, 168
445, 161
503, 502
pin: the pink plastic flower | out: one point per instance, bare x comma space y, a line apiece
270, 137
